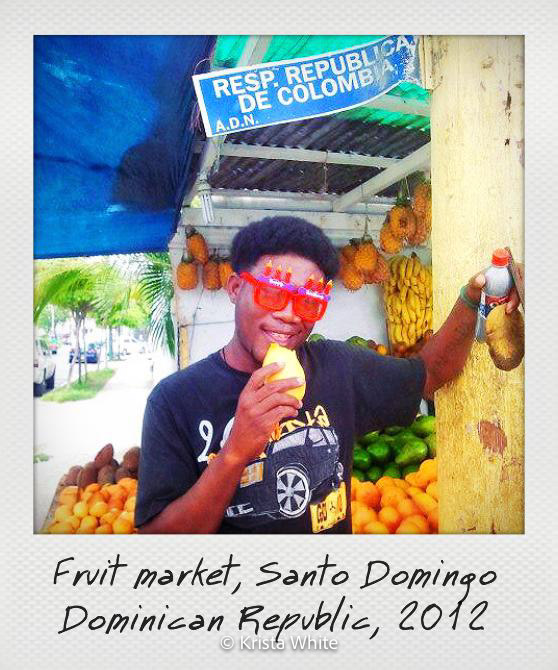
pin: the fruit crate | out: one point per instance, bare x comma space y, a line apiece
49, 518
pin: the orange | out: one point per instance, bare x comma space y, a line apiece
401, 484
130, 504
356, 505
369, 494
429, 468
96, 497
363, 517
421, 480
425, 502
61, 528
407, 507
88, 522
433, 520
69, 496
390, 517
432, 490
392, 496
122, 527
407, 527
127, 515
116, 503
411, 479
376, 528
117, 491
420, 521
109, 518
98, 509
105, 529
92, 487
129, 484
75, 521
62, 513
81, 509
383, 482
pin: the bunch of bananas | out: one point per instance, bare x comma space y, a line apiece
408, 301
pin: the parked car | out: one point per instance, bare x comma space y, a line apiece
91, 355
44, 368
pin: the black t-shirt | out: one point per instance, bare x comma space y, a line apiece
302, 483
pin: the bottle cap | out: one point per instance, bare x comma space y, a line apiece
500, 257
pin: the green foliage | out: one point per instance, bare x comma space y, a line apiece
156, 289
81, 390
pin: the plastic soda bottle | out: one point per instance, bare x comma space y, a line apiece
496, 291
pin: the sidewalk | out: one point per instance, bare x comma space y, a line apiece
72, 433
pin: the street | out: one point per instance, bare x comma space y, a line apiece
71, 433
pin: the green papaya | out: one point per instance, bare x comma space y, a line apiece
414, 451
392, 470
393, 430
370, 437
374, 473
431, 442
379, 451
423, 425
361, 459
409, 468
358, 474
402, 438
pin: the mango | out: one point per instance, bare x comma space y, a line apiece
292, 368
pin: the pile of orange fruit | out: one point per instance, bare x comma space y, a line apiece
403, 506
97, 509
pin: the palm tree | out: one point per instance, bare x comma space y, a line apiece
75, 285
155, 288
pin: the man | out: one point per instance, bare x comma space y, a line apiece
224, 451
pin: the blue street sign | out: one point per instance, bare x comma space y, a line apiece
268, 93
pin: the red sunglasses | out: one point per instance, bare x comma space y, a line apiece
273, 295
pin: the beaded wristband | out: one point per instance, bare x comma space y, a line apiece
465, 298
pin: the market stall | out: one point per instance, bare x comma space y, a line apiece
397, 210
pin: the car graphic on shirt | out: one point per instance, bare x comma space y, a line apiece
300, 468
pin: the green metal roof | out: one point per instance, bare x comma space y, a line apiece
284, 47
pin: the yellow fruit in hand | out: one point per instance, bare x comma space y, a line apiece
291, 368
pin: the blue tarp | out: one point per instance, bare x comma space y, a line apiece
113, 122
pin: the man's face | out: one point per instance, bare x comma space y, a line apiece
256, 327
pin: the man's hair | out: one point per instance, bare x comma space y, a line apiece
277, 235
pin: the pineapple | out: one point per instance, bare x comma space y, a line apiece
366, 255
420, 234
187, 274
401, 222
196, 245
351, 277
349, 250
381, 271
210, 275
389, 243
225, 271
422, 198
